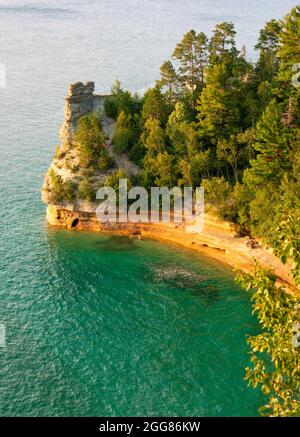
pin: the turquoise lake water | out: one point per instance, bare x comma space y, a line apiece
99, 325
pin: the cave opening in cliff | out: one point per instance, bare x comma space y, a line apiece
75, 223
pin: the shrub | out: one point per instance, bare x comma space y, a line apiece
56, 186
105, 161
121, 101
69, 190
86, 190
218, 193
217, 190
242, 196
60, 190
90, 139
264, 216
87, 172
59, 153
74, 168
113, 179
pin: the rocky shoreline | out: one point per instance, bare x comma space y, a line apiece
217, 239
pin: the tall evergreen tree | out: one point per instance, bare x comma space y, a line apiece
159, 170
273, 144
154, 106
169, 81
191, 53
222, 42
126, 132
289, 48
181, 132
218, 111
268, 44
153, 137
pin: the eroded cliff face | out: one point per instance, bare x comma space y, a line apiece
66, 168
217, 240
79, 102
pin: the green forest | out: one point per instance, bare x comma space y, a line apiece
233, 126
217, 120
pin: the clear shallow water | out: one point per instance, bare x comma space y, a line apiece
98, 326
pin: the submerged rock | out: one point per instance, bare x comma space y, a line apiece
117, 243
182, 278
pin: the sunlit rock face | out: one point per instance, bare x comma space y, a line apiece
66, 164
79, 102
217, 238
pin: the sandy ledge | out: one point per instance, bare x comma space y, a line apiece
217, 239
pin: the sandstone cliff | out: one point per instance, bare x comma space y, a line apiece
217, 239
66, 167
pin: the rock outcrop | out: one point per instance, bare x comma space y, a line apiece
79, 213
79, 102
66, 166
215, 241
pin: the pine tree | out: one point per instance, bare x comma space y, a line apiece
121, 100
90, 138
222, 101
268, 44
124, 135
273, 144
191, 53
181, 133
289, 48
168, 80
222, 42
154, 106
153, 137
218, 112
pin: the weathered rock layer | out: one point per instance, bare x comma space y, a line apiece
215, 240
66, 165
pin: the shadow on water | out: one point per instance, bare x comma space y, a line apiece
184, 279
117, 243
